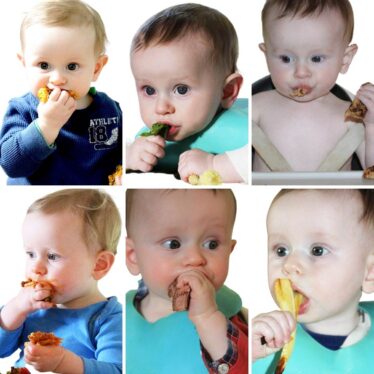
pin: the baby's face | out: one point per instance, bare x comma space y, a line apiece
60, 57
56, 252
316, 239
181, 230
178, 85
305, 53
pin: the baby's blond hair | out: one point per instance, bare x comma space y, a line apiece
66, 13
100, 215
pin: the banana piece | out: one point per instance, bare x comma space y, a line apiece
289, 301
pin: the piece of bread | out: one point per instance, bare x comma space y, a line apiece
44, 338
369, 173
356, 111
34, 283
299, 92
44, 92
180, 295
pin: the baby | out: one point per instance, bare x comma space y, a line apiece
322, 241
70, 241
184, 63
181, 240
307, 45
75, 136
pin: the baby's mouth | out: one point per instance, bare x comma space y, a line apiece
301, 91
304, 301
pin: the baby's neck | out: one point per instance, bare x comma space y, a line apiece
83, 301
84, 102
336, 325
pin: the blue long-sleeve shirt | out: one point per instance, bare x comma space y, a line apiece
94, 333
87, 149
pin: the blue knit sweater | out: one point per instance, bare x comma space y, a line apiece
87, 149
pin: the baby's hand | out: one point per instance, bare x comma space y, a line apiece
53, 114
29, 299
44, 358
194, 161
144, 152
202, 301
270, 332
366, 95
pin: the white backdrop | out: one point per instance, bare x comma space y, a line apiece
14, 202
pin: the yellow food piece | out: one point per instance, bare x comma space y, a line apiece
116, 174
193, 179
43, 94
290, 301
208, 178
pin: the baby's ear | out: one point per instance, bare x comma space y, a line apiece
104, 262
131, 259
349, 53
368, 282
231, 89
100, 63
20, 57
262, 47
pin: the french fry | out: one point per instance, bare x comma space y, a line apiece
290, 301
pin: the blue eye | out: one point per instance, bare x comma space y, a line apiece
30, 254
317, 59
181, 89
53, 257
281, 251
149, 90
318, 251
73, 66
211, 244
44, 65
172, 244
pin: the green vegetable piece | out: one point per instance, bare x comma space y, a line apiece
161, 129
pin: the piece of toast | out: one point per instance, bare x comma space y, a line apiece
33, 283
44, 338
180, 295
356, 111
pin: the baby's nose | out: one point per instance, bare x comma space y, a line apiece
193, 256
293, 266
38, 268
164, 105
302, 70
57, 78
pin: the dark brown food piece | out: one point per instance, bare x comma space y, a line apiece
181, 296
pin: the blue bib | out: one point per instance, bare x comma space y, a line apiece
227, 131
310, 357
171, 344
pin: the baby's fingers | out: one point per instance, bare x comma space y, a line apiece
273, 329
